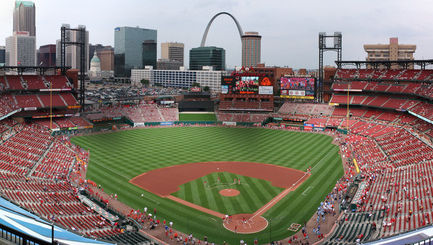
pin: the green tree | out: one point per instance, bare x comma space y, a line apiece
206, 88
195, 84
145, 82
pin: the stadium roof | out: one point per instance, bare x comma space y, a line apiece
30, 224
42, 69
411, 237
404, 63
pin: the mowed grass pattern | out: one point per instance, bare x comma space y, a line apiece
197, 117
115, 158
254, 193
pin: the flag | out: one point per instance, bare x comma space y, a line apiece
19, 62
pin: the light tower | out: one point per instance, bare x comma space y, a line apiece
337, 47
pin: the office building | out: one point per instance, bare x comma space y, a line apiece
24, 17
207, 56
106, 56
180, 78
2, 55
47, 55
21, 49
390, 52
251, 49
149, 53
173, 52
164, 64
128, 48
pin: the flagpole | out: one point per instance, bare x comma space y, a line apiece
51, 106
347, 114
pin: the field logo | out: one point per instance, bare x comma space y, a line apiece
294, 227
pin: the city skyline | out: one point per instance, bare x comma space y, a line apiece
289, 29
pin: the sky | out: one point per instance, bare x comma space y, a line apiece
289, 28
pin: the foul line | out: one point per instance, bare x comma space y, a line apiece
110, 169
285, 192
322, 159
303, 193
157, 203
277, 198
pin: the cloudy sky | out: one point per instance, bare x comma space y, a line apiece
289, 28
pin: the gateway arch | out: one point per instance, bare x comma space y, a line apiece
203, 40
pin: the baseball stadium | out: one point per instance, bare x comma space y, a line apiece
253, 169
267, 155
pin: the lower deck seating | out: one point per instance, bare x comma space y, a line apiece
34, 170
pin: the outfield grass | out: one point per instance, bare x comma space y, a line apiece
254, 193
115, 158
197, 117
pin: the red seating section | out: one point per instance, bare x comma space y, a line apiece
34, 82
33, 167
58, 82
52, 100
31, 100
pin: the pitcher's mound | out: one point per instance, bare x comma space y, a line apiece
229, 192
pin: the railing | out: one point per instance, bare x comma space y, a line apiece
18, 237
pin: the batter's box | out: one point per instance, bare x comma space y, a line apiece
294, 227
248, 224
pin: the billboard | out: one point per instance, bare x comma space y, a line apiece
228, 85
298, 87
246, 85
266, 90
195, 89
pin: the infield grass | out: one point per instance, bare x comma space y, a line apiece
254, 193
115, 158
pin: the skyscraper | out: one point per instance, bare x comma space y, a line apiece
21, 49
251, 49
149, 53
2, 55
172, 51
47, 55
207, 56
24, 17
106, 56
128, 48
